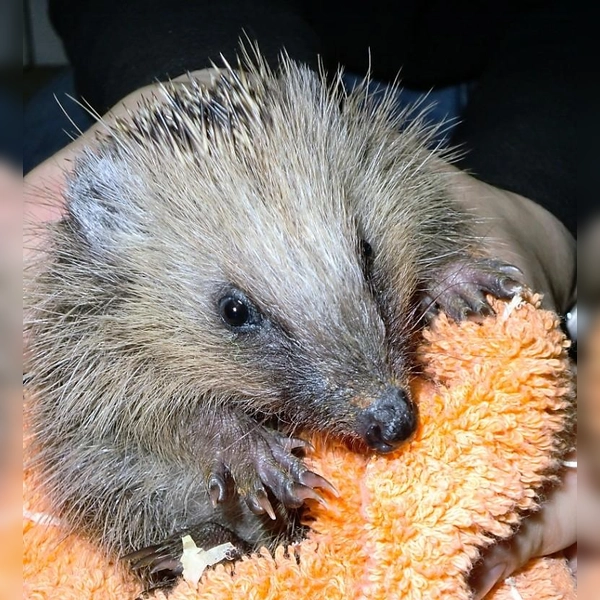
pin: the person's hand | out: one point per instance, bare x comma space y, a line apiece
524, 234
552, 529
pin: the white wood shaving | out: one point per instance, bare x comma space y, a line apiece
514, 592
195, 560
516, 302
41, 518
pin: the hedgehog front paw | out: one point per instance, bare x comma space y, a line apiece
460, 288
263, 460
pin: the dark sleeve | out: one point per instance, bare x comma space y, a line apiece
116, 46
524, 127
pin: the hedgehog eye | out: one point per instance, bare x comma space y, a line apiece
366, 250
366, 254
237, 313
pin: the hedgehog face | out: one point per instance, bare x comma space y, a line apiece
241, 291
252, 247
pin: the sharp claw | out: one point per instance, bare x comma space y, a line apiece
301, 493
457, 312
313, 480
142, 557
167, 564
293, 443
510, 287
140, 554
259, 504
430, 310
510, 270
214, 495
483, 309
216, 490
477, 305
148, 560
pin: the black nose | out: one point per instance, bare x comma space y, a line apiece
389, 421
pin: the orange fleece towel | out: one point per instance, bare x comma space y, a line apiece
494, 400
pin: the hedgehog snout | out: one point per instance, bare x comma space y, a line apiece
390, 420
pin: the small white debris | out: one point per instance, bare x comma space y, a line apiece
570, 464
571, 322
516, 302
195, 560
514, 592
41, 518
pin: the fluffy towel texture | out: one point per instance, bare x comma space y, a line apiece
494, 402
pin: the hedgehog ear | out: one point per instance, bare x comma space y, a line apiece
96, 202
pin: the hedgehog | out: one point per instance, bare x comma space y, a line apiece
240, 264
